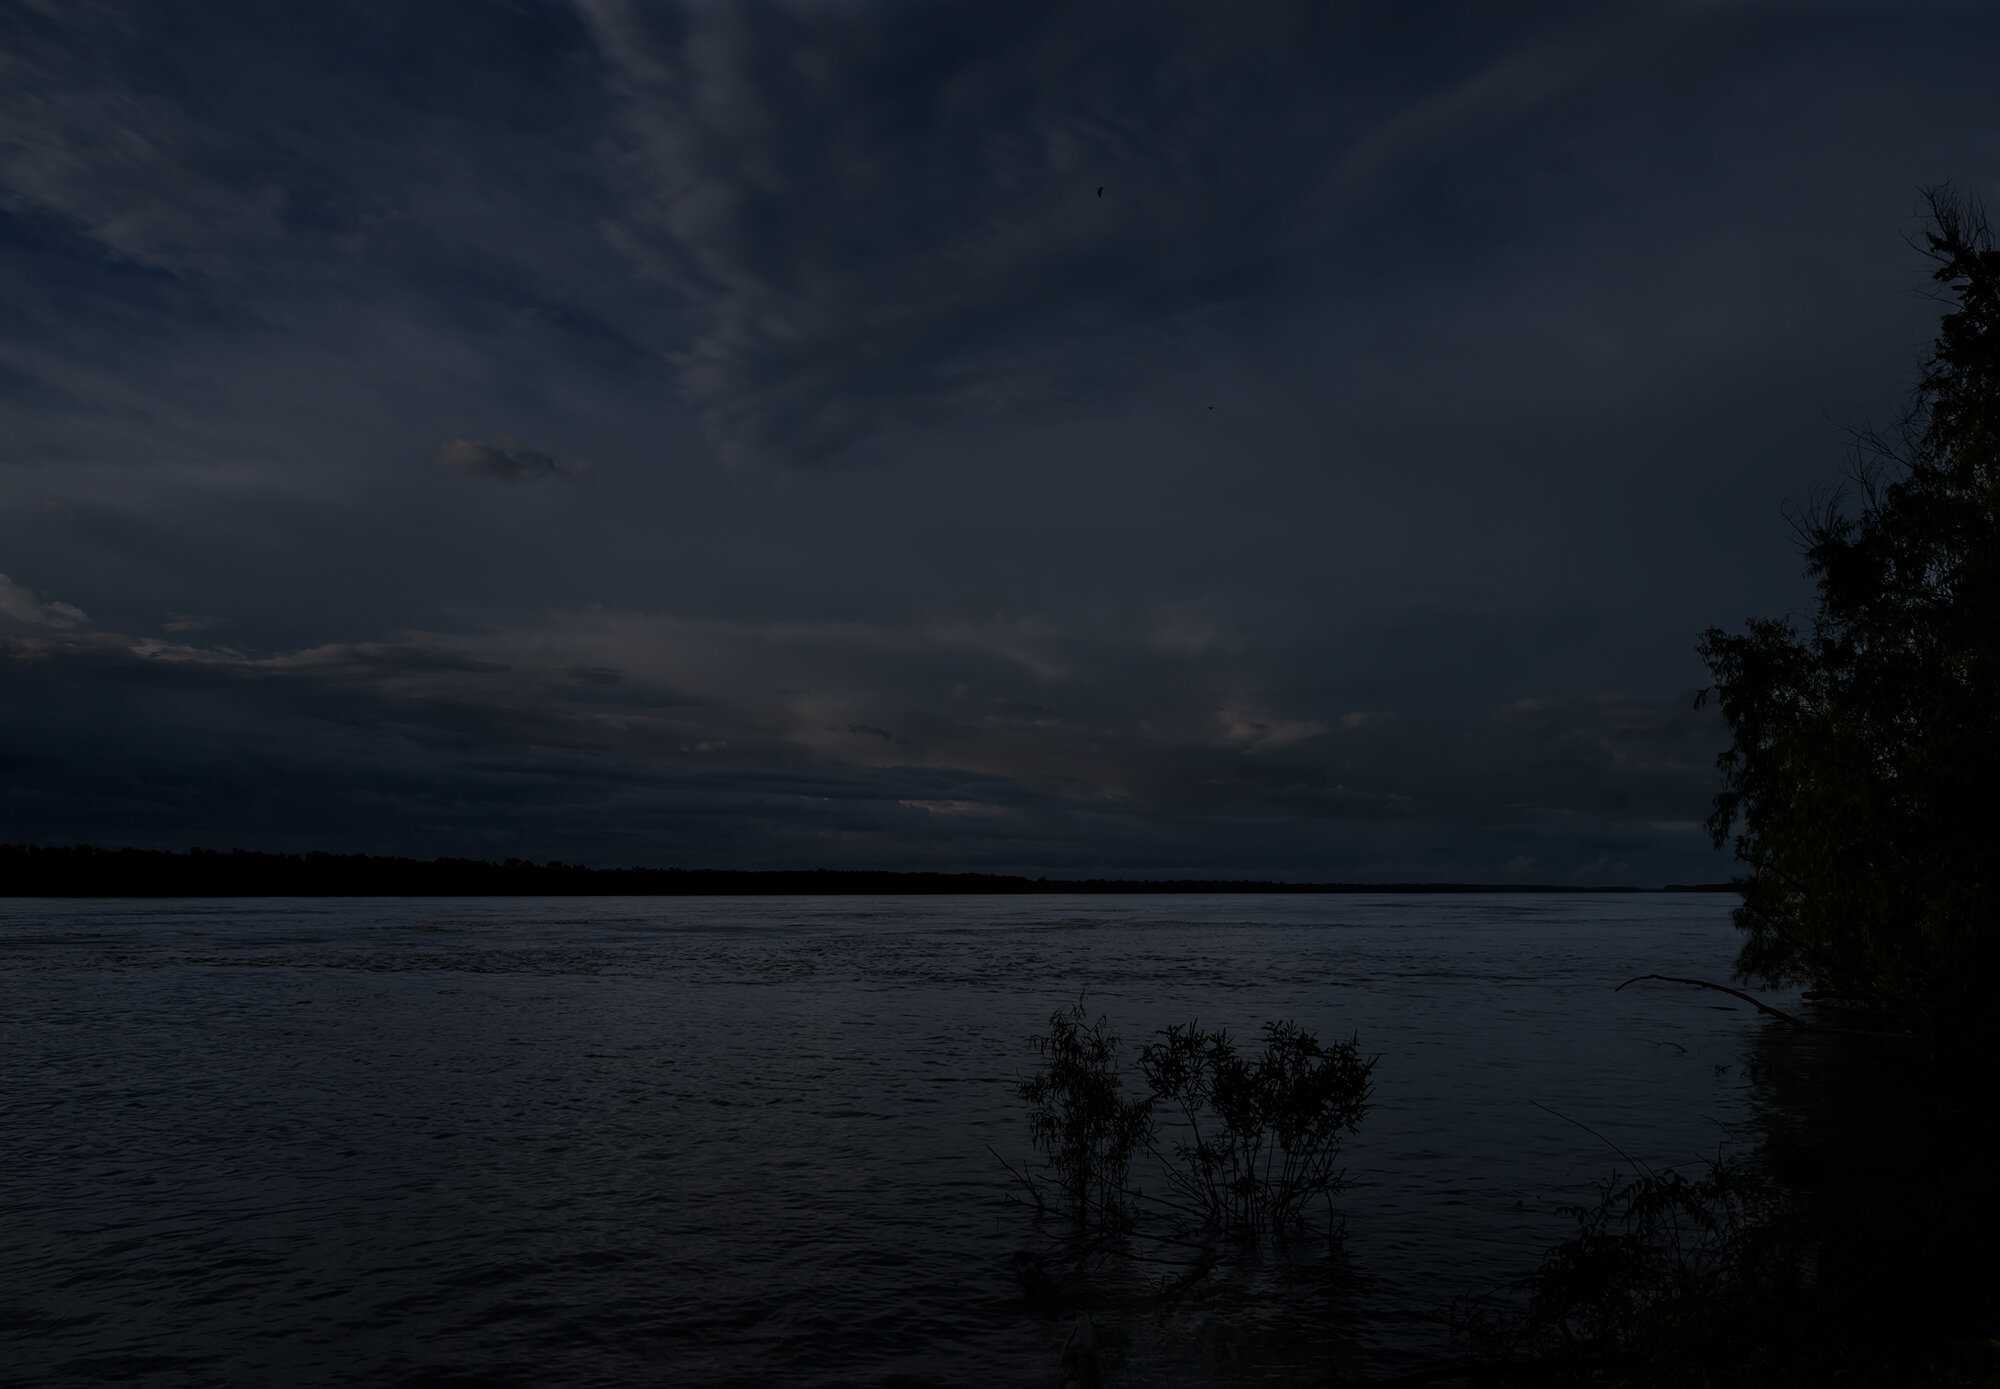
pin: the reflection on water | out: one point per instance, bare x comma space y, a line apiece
745, 1141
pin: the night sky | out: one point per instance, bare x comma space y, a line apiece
1069, 438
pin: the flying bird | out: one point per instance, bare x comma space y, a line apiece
1100, 190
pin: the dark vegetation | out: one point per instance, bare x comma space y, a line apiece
1853, 1247
1859, 792
1249, 1142
28, 870
1240, 1149
1081, 1123
1860, 783
1669, 1279
1256, 1140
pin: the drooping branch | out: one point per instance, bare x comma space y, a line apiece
1758, 1004
1764, 1007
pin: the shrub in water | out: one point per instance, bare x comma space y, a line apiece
1260, 1137
1080, 1120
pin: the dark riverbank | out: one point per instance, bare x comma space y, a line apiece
28, 870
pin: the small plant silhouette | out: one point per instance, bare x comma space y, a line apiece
1080, 1120
1260, 1138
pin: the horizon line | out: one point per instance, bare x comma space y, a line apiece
82, 870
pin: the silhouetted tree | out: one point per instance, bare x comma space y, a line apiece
1860, 786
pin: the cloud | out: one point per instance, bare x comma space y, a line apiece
19, 603
126, 167
1466, 297
1262, 733
954, 807
1189, 629
878, 223
841, 741
506, 461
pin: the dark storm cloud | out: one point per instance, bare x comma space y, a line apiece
506, 462
1337, 493
863, 723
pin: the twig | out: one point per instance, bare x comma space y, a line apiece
1195, 1273
1594, 1134
1193, 1241
1186, 1212
1033, 1190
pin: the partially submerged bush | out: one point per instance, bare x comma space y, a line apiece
1080, 1120
1256, 1138
1669, 1278
1260, 1138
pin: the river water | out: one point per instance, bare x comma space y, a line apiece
704, 1141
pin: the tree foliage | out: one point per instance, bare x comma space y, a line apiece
1860, 784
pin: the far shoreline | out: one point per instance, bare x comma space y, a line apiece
84, 871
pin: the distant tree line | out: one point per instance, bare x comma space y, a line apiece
28, 870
